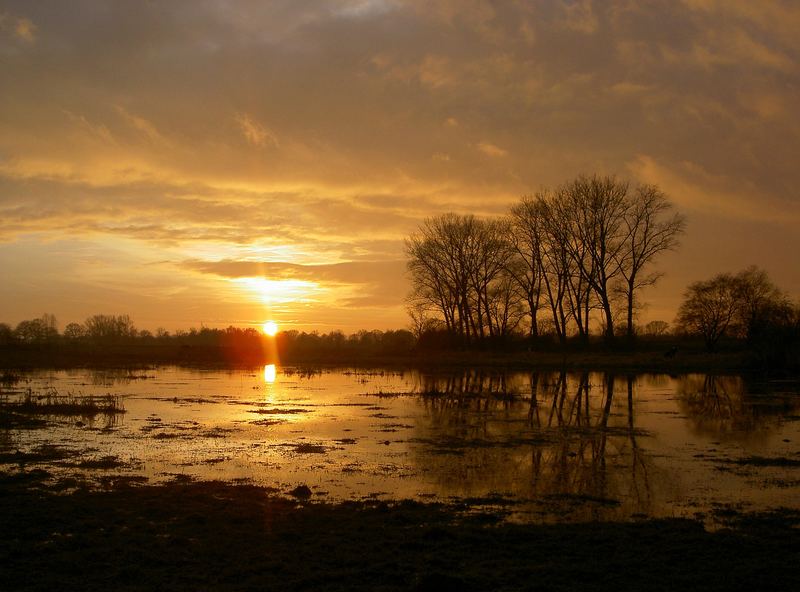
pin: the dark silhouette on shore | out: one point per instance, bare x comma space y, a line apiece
561, 262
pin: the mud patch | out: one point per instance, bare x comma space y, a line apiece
310, 448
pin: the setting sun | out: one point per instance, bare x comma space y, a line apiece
270, 328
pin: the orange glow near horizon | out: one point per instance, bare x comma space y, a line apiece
270, 328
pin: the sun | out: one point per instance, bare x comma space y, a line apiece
270, 328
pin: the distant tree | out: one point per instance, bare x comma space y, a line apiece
74, 331
760, 302
102, 327
420, 313
710, 308
656, 328
6, 334
41, 330
50, 324
746, 305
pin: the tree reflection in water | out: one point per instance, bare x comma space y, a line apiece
551, 437
727, 407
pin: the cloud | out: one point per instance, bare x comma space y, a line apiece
491, 150
580, 16
256, 133
693, 188
372, 283
346, 272
143, 126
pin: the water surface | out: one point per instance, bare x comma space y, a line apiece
551, 446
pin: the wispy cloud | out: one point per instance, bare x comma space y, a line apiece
256, 133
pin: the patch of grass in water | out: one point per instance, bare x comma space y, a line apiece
51, 403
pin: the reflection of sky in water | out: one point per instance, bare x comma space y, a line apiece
583, 444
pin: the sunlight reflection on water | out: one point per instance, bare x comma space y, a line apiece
270, 373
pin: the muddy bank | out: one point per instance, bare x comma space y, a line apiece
191, 536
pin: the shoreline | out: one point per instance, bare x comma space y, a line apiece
734, 362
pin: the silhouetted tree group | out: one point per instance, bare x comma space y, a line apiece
561, 260
746, 306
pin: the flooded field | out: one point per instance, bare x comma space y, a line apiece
548, 446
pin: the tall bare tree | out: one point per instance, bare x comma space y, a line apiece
527, 222
558, 267
598, 232
650, 226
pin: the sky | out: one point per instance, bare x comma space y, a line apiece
217, 163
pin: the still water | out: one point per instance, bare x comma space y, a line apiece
548, 445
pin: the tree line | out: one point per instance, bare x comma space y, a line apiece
560, 262
116, 335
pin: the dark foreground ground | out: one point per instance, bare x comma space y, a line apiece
214, 536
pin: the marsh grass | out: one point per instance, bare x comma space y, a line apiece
51, 402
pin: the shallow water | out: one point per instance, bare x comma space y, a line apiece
560, 446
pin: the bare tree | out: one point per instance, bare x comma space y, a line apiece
41, 330
650, 226
572, 251
104, 328
526, 267
431, 270
746, 305
597, 207
758, 299
488, 260
709, 308
656, 328
558, 265
454, 262
505, 307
